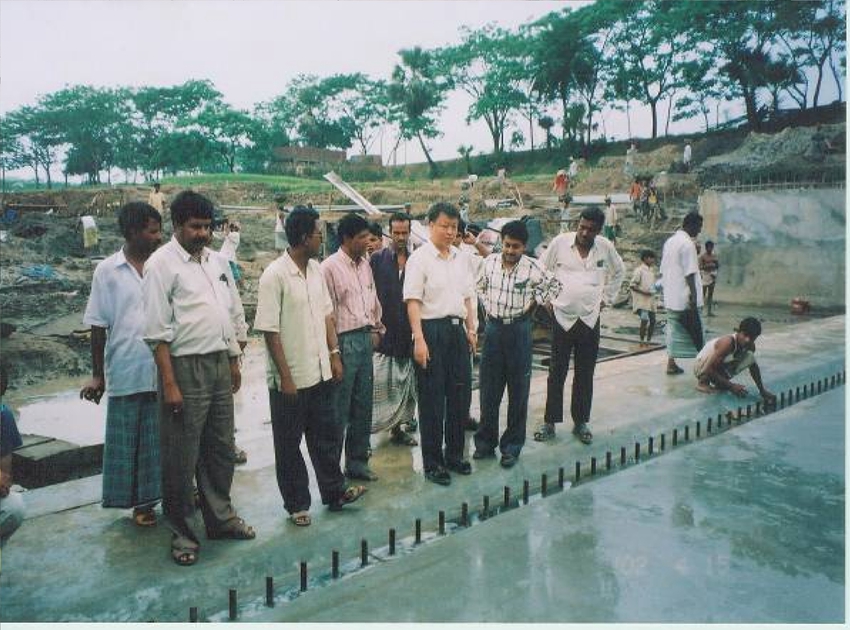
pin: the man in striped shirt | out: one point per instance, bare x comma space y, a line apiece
509, 285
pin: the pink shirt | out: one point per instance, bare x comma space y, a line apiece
353, 294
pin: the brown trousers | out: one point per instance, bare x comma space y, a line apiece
197, 444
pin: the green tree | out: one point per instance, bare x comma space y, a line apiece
814, 33
158, 111
38, 135
227, 131
415, 97
488, 66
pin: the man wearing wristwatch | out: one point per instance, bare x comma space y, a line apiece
439, 291
295, 315
357, 317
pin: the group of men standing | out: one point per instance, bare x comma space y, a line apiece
354, 344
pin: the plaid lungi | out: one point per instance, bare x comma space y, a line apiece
394, 391
683, 335
131, 468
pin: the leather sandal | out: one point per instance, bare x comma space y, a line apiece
239, 531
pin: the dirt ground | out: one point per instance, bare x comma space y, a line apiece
45, 272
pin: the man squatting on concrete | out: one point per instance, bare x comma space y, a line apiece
438, 289
682, 293
295, 315
510, 283
590, 272
195, 325
357, 317
123, 365
723, 358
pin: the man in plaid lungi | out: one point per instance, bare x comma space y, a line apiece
123, 365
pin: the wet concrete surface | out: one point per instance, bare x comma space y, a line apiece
75, 561
745, 527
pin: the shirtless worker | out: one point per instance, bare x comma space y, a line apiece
722, 358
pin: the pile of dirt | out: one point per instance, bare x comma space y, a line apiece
787, 150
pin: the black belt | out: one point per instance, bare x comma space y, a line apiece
509, 320
454, 321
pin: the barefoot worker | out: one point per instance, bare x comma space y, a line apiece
723, 358
195, 324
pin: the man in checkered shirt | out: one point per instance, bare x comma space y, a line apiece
509, 286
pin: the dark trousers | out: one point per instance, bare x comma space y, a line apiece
505, 362
443, 388
353, 397
584, 341
309, 414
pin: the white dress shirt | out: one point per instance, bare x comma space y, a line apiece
678, 260
192, 306
441, 284
585, 282
230, 245
115, 303
295, 306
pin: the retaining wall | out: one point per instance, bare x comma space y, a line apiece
776, 245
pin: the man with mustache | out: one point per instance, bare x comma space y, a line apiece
509, 285
195, 325
590, 271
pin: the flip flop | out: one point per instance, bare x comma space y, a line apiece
544, 433
674, 370
240, 531
302, 518
184, 558
144, 518
351, 494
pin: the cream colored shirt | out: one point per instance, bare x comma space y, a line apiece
295, 306
157, 200
441, 284
644, 279
585, 282
192, 306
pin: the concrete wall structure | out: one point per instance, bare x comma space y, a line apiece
775, 245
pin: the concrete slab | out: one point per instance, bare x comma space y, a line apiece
93, 564
745, 527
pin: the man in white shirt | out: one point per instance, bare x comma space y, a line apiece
686, 156
682, 285
590, 271
295, 315
122, 364
438, 290
195, 325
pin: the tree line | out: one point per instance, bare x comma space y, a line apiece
564, 71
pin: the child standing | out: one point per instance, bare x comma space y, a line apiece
643, 295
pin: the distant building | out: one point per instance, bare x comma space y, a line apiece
301, 157
371, 160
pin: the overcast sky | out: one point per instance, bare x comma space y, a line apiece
250, 49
